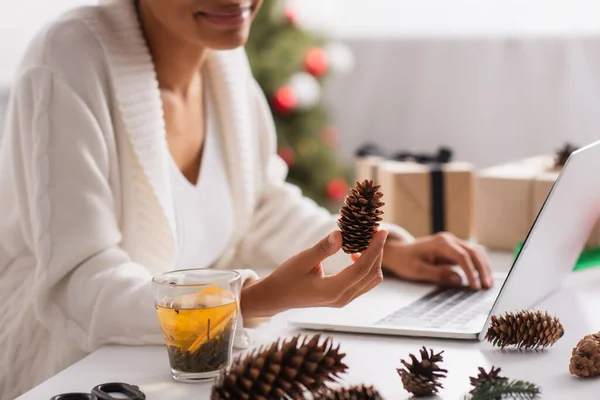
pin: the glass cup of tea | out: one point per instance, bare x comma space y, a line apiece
198, 311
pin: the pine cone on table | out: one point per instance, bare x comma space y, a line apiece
360, 216
484, 377
525, 330
585, 357
360, 392
285, 369
422, 378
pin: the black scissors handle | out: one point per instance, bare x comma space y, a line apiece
103, 391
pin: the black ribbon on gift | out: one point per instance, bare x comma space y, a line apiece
370, 149
435, 163
437, 190
562, 155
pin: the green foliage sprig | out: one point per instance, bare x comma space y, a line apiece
515, 389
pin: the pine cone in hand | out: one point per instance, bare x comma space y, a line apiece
285, 369
360, 217
525, 330
360, 392
422, 378
585, 358
484, 377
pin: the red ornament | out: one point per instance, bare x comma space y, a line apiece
290, 15
288, 155
284, 101
316, 61
337, 188
330, 136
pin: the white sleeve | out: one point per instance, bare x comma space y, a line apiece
85, 284
286, 222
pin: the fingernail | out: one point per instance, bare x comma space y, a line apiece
331, 238
384, 236
455, 279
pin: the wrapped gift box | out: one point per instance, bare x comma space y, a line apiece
426, 198
542, 184
368, 158
509, 197
366, 168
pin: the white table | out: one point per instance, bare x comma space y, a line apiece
372, 359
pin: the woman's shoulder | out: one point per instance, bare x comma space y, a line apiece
74, 45
65, 43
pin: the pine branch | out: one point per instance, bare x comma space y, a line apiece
506, 390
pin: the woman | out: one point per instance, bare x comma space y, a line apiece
137, 142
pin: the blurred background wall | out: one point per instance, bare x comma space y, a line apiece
495, 80
19, 21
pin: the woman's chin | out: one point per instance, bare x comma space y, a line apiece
228, 44
224, 40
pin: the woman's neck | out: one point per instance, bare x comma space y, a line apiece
176, 61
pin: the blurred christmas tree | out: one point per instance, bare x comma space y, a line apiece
291, 65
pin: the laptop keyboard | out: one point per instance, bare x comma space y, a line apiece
442, 308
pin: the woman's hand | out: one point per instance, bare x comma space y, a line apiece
301, 282
433, 259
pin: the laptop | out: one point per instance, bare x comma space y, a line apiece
548, 255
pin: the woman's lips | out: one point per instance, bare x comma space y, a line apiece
227, 18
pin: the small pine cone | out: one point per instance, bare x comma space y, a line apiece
525, 329
585, 358
422, 378
484, 377
360, 216
352, 393
285, 369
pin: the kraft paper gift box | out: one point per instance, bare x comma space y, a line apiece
542, 184
368, 158
426, 198
366, 168
504, 202
509, 197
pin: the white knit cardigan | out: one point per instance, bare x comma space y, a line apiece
87, 215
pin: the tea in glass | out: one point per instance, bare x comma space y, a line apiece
198, 311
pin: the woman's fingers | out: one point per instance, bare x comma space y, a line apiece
368, 286
439, 274
358, 271
376, 277
481, 263
373, 279
453, 251
324, 248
